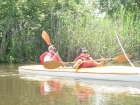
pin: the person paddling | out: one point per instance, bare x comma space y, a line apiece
84, 56
50, 55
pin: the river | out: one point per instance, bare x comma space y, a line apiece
17, 89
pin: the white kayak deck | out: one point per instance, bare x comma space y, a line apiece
117, 73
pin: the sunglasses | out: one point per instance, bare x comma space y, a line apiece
54, 50
85, 52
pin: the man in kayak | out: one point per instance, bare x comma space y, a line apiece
50, 55
84, 60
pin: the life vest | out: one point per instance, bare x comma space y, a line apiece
85, 64
45, 54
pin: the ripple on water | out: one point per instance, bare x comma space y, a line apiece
7, 74
117, 89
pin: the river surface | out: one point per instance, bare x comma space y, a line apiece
17, 89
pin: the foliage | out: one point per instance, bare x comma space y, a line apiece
71, 24
112, 6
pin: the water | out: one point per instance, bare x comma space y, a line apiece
17, 89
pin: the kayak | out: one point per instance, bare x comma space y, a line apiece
111, 73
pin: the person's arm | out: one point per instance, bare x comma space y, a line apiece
102, 62
56, 57
59, 57
79, 62
98, 63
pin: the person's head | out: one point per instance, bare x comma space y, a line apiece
83, 52
52, 49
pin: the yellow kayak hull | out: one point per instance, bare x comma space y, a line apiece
115, 73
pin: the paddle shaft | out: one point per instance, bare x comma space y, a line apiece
120, 58
87, 61
56, 64
46, 37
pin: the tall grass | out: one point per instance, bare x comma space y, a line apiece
71, 25
97, 34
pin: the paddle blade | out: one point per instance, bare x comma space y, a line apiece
52, 64
46, 37
121, 58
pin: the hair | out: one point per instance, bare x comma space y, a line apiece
81, 49
51, 46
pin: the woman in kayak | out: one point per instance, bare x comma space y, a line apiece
50, 55
84, 56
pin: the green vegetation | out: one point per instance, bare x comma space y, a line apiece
71, 24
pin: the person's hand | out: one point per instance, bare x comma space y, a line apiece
56, 53
102, 59
79, 62
54, 56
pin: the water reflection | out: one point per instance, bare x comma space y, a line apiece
18, 89
83, 92
53, 89
50, 89
58, 90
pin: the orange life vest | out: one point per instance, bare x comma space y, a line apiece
45, 54
85, 64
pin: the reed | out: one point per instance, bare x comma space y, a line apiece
97, 34
70, 25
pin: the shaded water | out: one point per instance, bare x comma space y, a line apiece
17, 89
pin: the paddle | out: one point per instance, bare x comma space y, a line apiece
52, 64
55, 64
46, 37
120, 58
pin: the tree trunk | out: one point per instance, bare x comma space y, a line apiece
4, 43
